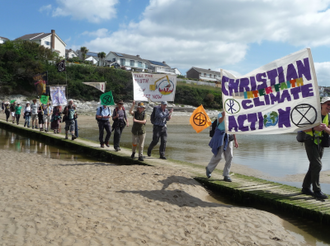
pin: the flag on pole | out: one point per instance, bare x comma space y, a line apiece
61, 66
12, 101
44, 99
98, 85
107, 99
199, 119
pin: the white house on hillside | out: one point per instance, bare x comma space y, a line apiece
130, 62
49, 40
3, 39
203, 74
70, 54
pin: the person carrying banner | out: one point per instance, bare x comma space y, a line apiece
314, 146
18, 110
47, 110
34, 114
70, 102
27, 114
119, 122
221, 145
103, 115
7, 110
162, 115
12, 110
138, 129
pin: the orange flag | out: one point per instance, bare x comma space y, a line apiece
199, 119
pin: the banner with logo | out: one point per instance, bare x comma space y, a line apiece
57, 94
44, 99
199, 119
107, 99
280, 97
40, 83
153, 87
98, 85
61, 66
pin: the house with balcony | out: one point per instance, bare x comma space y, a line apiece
48, 40
159, 67
3, 39
203, 74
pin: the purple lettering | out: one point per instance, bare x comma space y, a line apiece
284, 117
304, 69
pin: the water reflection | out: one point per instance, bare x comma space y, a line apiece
13, 141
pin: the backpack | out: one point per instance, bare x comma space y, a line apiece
213, 127
71, 114
153, 115
101, 108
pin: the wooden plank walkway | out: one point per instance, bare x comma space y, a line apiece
246, 190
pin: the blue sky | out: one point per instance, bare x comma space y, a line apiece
236, 35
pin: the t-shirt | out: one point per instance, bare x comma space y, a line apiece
18, 109
137, 128
221, 126
34, 108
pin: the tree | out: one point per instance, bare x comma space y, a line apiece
101, 56
83, 51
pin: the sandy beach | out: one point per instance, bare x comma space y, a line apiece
56, 202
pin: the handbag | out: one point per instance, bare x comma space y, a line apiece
301, 136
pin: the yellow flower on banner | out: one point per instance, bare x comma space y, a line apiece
199, 119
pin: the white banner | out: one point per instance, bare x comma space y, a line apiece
57, 94
98, 85
154, 87
280, 97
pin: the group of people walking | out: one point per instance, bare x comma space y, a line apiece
119, 116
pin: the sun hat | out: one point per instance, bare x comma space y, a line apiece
19, 103
27, 102
164, 102
120, 102
325, 99
141, 105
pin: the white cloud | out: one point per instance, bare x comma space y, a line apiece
214, 33
46, 8
103, 32
94, 11
323, 73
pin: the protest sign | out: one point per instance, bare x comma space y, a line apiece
199, 119
107, 99
154, 87
57, 94
280, 97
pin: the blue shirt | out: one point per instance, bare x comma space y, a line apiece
161, 116
221, 126
105, 112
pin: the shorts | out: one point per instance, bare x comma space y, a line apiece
34, 117
69, 125
46, 118
12, 114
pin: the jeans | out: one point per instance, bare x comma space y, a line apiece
104, 125
116, 136
159, 132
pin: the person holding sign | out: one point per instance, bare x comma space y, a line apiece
316, 139
160, 130
222, 145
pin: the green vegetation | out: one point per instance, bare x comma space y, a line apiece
21, 60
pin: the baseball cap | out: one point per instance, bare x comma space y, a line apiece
164, 102
325, 99
141, 105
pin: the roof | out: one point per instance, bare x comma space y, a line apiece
89, 53
158, 63
38, 36
131, 57
203, 70
4, 38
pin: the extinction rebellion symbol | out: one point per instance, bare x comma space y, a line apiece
200, 119
303, 114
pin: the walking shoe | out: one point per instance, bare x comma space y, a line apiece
107, 144
208, 173
307, 191
163, 157
320, 195
102, 145
141, 158
32, 127
227, 179
73, 137
66, 138
24, 124
133, 155
149, 153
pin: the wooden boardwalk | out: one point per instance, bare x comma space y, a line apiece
245, 190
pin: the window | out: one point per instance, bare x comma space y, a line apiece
122, 61
132, 63
139, 64
205, 74
47, 43
114, 59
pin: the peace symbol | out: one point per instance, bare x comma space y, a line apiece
232, 106
200, 119
303, 114
106, 100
